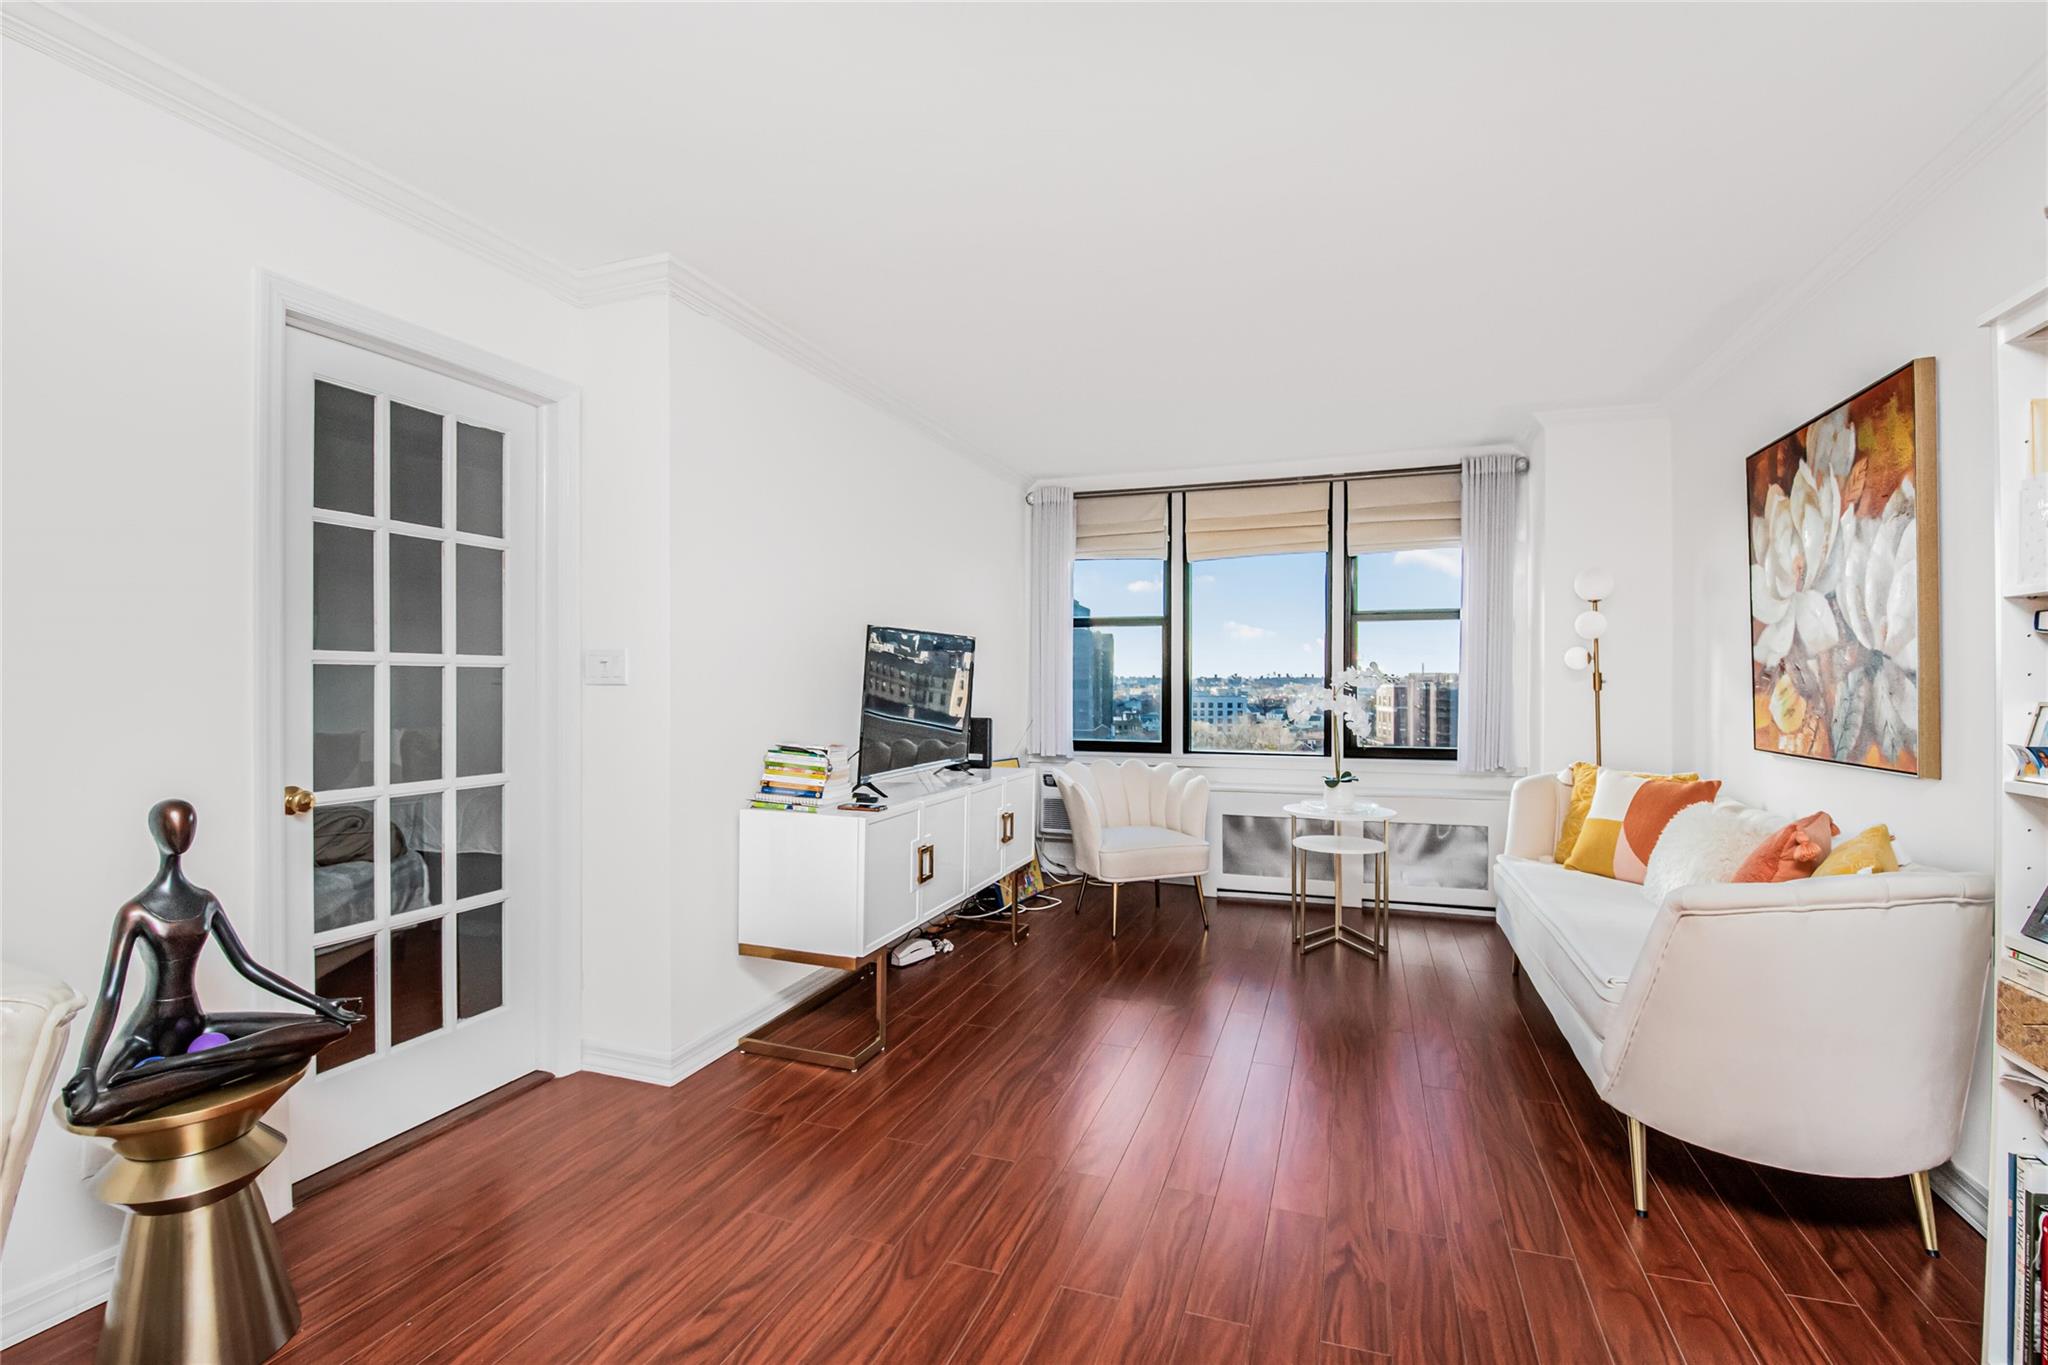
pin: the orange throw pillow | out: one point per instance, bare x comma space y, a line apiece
1792, 853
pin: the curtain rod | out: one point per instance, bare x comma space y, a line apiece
1521, 467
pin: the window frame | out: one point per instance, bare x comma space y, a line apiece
1428, 753
1187, 641
1164, 621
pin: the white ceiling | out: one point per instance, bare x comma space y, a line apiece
1094, 239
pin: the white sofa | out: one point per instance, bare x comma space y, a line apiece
35, 1016
1136, 823
1825, 1025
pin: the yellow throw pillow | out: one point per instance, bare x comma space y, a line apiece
1584, 775
1627, 817
1870, 851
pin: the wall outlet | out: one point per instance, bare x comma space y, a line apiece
604, 668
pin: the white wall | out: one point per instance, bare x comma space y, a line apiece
1920, 294
1603, 492
128, 559
800, 516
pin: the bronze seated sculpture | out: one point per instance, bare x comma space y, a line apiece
171, 1048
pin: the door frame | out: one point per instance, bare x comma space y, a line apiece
282, 304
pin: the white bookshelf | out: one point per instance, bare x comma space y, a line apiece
2019, 344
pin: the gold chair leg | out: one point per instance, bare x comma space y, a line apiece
1114, 887
1081, 898
1923, 1204
1202, 900
1639, 1165
1155, 893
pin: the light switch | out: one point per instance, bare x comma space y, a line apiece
604, 668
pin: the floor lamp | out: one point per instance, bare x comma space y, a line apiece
1591, 586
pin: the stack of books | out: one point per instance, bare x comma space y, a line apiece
804, 777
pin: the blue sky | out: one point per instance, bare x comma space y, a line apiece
1265, 614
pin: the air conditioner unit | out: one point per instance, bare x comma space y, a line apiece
1055, 831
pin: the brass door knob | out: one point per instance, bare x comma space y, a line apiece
297, 800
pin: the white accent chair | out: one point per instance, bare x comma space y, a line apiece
1136, 823
35, 1015
1826, 1025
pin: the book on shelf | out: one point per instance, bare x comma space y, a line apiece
2027, 1208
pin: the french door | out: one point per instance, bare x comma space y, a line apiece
409, 684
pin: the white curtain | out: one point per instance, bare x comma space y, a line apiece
1487, 507
1052, 623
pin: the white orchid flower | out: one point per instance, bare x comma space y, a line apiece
1879, 595
1795, 561
1305, 704
1831, 443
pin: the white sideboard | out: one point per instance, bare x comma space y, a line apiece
837, 886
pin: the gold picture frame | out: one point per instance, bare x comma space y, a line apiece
1845, 582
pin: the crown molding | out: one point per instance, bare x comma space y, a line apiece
2014, 107
61, 32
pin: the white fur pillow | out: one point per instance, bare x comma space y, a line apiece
1705, 843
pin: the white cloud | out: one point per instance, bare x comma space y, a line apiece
1142, 585
1312, 646
1205, 580
1443, 561
1238, 630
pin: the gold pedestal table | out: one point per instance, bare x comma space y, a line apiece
200, 1277
1338, 846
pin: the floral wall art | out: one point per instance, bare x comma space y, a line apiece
1844, 576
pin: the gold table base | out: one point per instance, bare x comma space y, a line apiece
199, 1276
1307, 940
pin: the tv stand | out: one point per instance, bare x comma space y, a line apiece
840, 888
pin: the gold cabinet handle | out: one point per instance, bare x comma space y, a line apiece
927, 864
297, 800
1009, 825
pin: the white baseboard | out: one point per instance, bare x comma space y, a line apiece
657, 1068
1959, 1190
29, 1309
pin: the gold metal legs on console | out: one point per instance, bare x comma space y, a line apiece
875, 962
1639, 1165
1202, 899
1923, 1204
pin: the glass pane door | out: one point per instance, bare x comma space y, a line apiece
408, 679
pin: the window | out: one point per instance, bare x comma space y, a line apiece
1258, 603
1240, 602
1403, 592
1120, 634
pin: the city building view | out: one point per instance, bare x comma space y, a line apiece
1242, 714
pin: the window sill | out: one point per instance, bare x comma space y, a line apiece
1295, 772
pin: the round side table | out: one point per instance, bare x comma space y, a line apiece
200, 1276
1373, 943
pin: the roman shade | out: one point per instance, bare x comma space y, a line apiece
1274, 519
1402, 512
1120, 526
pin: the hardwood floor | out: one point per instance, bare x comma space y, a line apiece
1160, 1149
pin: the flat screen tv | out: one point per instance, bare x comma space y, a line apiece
914, 701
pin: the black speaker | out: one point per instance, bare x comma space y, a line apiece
978, 743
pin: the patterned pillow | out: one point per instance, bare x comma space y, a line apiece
1792, 853
1625, 820
1582, 777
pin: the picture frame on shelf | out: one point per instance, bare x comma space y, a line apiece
2036, 927
2037, 728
